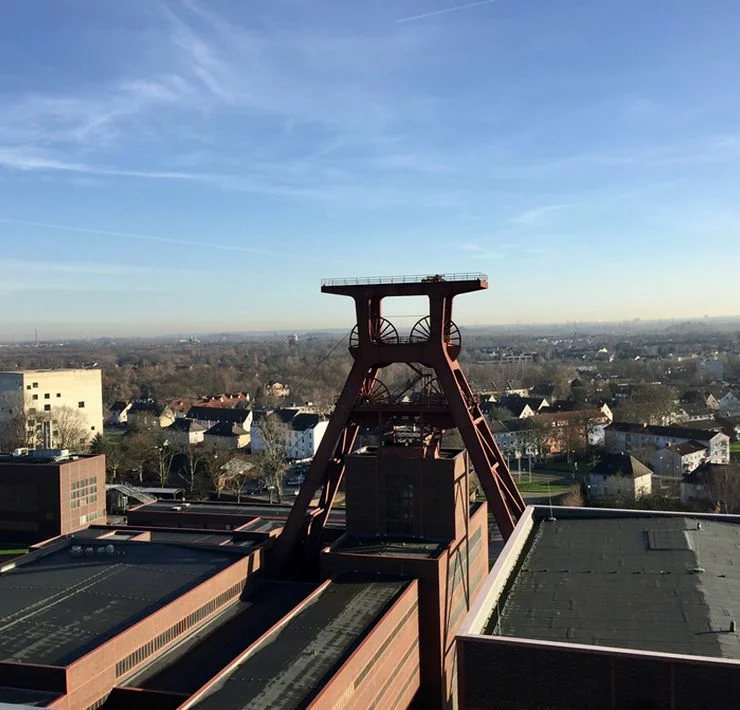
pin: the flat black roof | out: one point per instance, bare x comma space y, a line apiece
385, 546
655, 583
190, 665
280, 512
55, 608
289, 667
26, 697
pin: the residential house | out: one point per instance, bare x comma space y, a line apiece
643, 439
179, 407
543, 389
305, 434
226, 400
523, 407
575, 430
227, 435
185, 432
515, 437
729, 405
705, 398
619, 477
280, 419
277, 389
148, 414
119, 412
300, 431
208, 416
675, 460
694, 412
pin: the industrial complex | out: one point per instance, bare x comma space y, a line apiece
388, 602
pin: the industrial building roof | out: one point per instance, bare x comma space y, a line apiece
386, 546
290, 666
26, 697
56, 607
191, 664
663, 583
247, 510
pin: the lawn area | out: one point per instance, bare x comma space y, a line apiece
735, 451
12, 549
540, 488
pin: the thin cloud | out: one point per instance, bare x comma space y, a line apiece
169, 240
446, 11
538, 214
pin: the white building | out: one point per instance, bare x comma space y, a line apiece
677, 459
619, 477
185, 432
301, 432
54, 403
629, 438
729, 405
304, 435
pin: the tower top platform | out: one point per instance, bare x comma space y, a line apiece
410, 285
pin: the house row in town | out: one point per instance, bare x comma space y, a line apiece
643, 439
552, 432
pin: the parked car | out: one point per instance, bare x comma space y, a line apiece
295, 479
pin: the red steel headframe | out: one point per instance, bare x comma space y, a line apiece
375, 344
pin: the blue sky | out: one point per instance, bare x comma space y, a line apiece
193, 166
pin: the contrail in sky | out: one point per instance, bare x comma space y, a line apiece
168, 240
434, 13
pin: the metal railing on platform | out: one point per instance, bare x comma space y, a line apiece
408, 279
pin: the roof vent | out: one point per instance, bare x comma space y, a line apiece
698, 570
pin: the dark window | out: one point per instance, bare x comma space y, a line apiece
34, 396
32, 411
35, 385
81, 405
28, 387
59, 394
47, 396
47, 407
92, 428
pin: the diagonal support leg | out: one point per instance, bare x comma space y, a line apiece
503, 497
296, 526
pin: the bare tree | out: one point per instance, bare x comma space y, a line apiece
194, 456
219, 472
273, 458
241, 470
724, 487
137, 451
69, 428
14, 424
163, 456
113, 452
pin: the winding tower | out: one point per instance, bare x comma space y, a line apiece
441, 400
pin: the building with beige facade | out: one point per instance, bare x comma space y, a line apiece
61, 408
